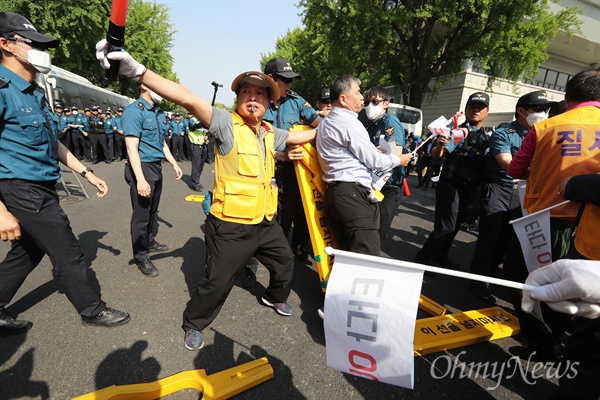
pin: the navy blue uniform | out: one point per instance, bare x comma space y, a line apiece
177, 129
149, 124
28, 173
98, 138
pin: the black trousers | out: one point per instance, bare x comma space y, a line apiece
389, 207
354, 220
45, 229
121, 150
144, 218
99, 142
187, 147
177, 143
289, 207
499, 205
451, 203
78, 145
199, 155
110, 145
264, 240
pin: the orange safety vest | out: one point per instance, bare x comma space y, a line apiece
566, 145
243, 192
588, 231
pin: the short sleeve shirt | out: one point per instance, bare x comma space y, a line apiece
149, 124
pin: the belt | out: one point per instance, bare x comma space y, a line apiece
335, 183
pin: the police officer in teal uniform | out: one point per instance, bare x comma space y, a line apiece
177, 130
290, 109
119, 137
56, 115
187, 143
388, 126
79, 135
97, 136
30, 215
110, 129
145, 126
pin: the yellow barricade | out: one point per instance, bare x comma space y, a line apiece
461, 329
221, 385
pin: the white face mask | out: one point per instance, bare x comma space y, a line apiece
373, 111
534, 118
156, 98
39, 59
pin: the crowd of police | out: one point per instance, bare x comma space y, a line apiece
255, 198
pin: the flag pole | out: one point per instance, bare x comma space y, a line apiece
405, 264
538, 212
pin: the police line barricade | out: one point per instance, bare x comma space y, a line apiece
220, 385
462, 329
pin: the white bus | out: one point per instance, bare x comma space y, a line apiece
70, 90
410, 117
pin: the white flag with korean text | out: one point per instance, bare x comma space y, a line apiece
533, 231
370, 316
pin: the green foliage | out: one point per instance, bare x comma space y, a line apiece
80, 24
410, 43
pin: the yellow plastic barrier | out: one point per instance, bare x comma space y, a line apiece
221, 385
431, 307
195, 197
462, 329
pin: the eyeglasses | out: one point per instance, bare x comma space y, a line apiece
374, 102
539, 108
284, 79
31, 43
327, 101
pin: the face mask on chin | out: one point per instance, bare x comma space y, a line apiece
373, 111
156, 98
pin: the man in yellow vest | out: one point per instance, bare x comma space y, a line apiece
240, 223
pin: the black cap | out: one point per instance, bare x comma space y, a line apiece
16, 23
558, 108
73, 108
177, 114
281, 67
58, 105
94, 108
67, 109
86, 109
324, 94
120, 109
537, 98
479, 97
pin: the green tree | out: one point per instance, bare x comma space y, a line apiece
80, 24
411, 43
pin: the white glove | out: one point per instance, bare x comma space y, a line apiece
567, 286
129, 67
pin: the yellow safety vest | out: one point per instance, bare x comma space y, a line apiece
243, 192
566, 145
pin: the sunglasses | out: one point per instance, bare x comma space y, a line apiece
539, 108
29, 42
284, 79
375, 102
328, 101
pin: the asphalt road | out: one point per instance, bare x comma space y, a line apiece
60, 358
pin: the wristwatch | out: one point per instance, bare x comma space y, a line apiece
85, 171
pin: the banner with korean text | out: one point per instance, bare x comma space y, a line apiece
533, 231
370, 316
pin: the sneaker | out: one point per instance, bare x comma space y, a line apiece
193, 339
108, 317
157, 248
147, 268
281, 308
11, 326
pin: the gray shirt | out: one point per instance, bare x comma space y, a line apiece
345, 152
221, 127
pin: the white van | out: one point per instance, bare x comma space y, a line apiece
410, 117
